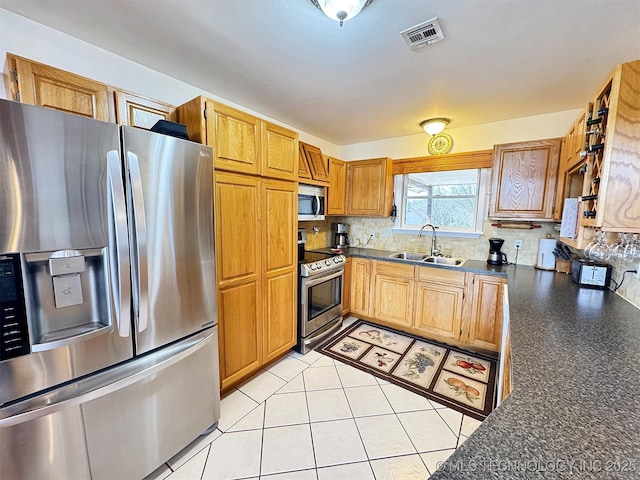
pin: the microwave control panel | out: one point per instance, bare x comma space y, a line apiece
14, 335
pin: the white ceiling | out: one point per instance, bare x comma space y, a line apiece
500, 59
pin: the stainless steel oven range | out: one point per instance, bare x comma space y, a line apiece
320, 297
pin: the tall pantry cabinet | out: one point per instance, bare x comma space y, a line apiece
256, 163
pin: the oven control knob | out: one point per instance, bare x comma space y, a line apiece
337, 259
327, 263
318, 265
312, 266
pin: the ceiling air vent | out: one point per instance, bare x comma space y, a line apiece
423, 34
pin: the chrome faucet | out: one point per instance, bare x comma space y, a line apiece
434, 251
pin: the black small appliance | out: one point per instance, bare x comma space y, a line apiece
496, 257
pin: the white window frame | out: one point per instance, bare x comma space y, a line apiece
481, 209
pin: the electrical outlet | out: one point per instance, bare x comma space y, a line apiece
372, 234
637, 274
388, 232
518, 244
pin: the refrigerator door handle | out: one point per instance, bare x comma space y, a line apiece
139, 243
119, 247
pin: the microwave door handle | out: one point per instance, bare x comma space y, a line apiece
139, 227
118, 245
318, 205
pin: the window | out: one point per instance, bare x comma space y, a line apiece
452, 200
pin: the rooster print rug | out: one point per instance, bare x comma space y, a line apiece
464, 381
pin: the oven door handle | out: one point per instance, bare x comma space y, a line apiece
312, 281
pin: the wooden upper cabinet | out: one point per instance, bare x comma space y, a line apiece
235, 138
524, 180
279, 152
44, 86
336, 193
137, 111
369, 187
316, 164
304, 173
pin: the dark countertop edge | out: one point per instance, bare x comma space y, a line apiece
471, 266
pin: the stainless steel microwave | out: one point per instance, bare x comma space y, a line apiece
310, 202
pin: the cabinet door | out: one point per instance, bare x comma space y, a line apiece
317, 163
279, 152
524, 180
238, 266
346, 289
369, 187
303, 166
236, 139
45, 86
360, 283
393, 297
141, 112
438, 310
485, 324
279, 260
337, 186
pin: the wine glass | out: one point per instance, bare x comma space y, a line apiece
617, 249
600, 251
632, 250
590, 245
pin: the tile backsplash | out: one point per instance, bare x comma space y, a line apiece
360, 228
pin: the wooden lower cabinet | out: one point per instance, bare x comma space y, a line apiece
255, 229
360, 283
438, 309
485, 324
451, 306
393, 293
346, 289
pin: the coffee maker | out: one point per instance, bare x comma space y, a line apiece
496, 257
340, 235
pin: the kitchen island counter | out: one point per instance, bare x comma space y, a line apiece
574, 410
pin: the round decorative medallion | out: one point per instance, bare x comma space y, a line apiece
440, 144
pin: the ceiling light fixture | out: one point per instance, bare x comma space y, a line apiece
341, 10
434, 126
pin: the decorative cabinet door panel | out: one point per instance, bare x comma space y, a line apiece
369, 187
280, 152
485, 325
524, 180
360, 283
49, 87
141, 112
279, 255
236, 135
439, 309
337, 187
240, 328
393, 299
237, 227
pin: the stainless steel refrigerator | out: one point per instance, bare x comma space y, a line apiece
108, 341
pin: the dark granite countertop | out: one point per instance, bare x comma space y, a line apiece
474, 266
574, 411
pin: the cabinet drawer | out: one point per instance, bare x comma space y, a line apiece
395, 269
440, 275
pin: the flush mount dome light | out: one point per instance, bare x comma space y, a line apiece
434, 126
341, 10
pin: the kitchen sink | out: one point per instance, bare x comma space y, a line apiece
417, 257
449, 261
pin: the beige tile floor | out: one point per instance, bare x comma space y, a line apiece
312, 418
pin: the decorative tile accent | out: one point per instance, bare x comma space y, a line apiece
381, 359
471, 367
461, 389
421, 363
381, 337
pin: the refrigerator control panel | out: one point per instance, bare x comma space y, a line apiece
14, 335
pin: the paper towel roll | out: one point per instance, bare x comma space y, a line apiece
546, 259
